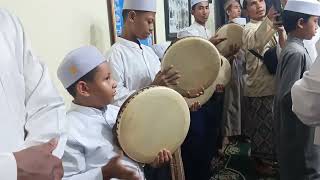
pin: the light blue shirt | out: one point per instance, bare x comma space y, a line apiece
90, 144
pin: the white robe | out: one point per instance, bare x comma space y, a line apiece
306, 97
195, 29
31, 110
133, 67
90, 144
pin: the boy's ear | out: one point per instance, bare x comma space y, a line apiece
82, 89
300, 23
131, 16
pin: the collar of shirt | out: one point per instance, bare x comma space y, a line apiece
199, 25
87, 110
296, 40
108, 113
129, 44
255, 21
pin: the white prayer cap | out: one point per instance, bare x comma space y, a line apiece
194, 2
141, 5
311, 7
240, 21
228, 4
78, 63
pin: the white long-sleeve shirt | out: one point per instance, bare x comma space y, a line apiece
133, 66
31, 111
195, 29
90, 144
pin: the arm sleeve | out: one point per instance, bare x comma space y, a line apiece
74, 163
45, 110
8, 166
292, 68
257, 39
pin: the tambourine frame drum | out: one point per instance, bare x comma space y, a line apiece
197, 61
150, 120
233, 32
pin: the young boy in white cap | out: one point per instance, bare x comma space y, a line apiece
133, 64
299, 158
200, 11
91, 152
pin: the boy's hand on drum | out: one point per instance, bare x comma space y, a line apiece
220, 88
195, 106
194, 93
215, 40
164, 157
115, 169
38, 163
166, 77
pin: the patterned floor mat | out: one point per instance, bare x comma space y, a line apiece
236, 164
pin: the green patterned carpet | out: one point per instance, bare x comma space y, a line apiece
236, 164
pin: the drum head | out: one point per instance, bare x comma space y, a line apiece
150, 120
233, 32
223, 78
196, 59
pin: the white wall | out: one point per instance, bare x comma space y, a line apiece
160, 22
58, 26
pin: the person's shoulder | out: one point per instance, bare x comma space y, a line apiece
292, 53
8, 21
115, 50
5, 13
250, 26
292, 48
77, 120
113, 109
187, 32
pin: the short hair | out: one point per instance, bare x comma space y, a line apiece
89, 77
125, 13
194, 7
290, 19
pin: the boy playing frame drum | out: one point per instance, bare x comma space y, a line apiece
91, 152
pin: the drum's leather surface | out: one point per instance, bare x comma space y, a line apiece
233, 32
196, 59
152, 119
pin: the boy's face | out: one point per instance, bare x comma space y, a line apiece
310, 27
234, 10
201, 12
256, 9
103, 88
143, 24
